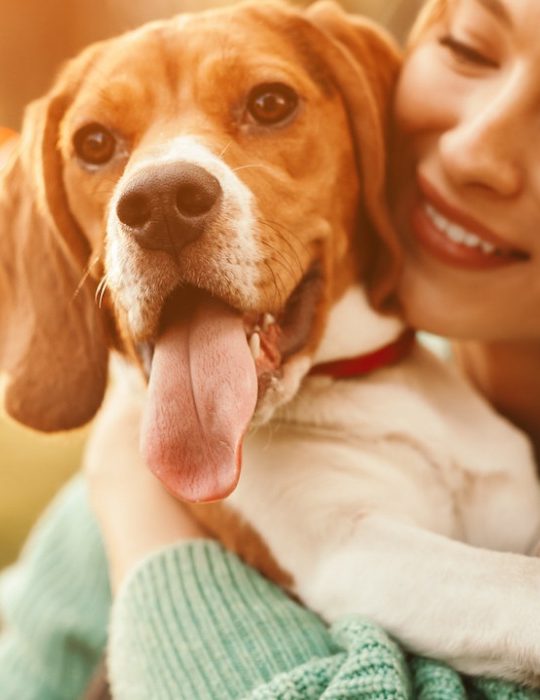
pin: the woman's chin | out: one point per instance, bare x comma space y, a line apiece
428, 306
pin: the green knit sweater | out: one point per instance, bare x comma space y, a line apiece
194, 623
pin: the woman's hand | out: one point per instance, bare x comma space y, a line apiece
136, 514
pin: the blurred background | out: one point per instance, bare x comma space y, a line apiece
36, 36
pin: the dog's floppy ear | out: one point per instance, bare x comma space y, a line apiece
52, 340
363, 62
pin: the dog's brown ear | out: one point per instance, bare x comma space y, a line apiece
52, 339
363, 62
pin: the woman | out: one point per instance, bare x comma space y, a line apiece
191, 621
466, 193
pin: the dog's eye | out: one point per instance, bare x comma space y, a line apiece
94, 144
272, 103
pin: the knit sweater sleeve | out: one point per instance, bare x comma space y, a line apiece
54, 605
193, 622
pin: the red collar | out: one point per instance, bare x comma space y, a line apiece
388, 355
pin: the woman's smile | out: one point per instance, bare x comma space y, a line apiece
454, 237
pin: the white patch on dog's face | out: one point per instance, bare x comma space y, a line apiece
224, 259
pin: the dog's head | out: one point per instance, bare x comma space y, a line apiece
199, 192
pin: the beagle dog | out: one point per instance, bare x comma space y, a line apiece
206, 196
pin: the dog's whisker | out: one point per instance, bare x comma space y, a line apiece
250, 165
101, 290
225, 149
280, 230
277, 295
282, 239
280, 259
286, 240
86, 273
285, 234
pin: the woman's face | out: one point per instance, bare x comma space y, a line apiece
466, 176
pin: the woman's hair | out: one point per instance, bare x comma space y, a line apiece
432, 12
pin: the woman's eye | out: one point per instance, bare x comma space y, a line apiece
466, 53
94, 144
271, 103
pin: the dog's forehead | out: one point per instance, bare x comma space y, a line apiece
219, 51
191, 42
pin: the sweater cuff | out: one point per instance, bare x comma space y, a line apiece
193, 621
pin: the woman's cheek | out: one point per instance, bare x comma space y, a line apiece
426, 93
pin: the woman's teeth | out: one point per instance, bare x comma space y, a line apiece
458, 234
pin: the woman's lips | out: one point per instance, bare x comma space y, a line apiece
454, 238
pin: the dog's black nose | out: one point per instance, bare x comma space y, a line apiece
167, 206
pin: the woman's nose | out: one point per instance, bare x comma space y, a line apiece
485, 149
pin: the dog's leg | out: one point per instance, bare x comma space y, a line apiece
478, 610
355, 525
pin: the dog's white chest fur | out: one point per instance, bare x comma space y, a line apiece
412, 441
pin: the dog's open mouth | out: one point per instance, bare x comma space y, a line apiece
207, 370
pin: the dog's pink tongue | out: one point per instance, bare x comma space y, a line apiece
202, 395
